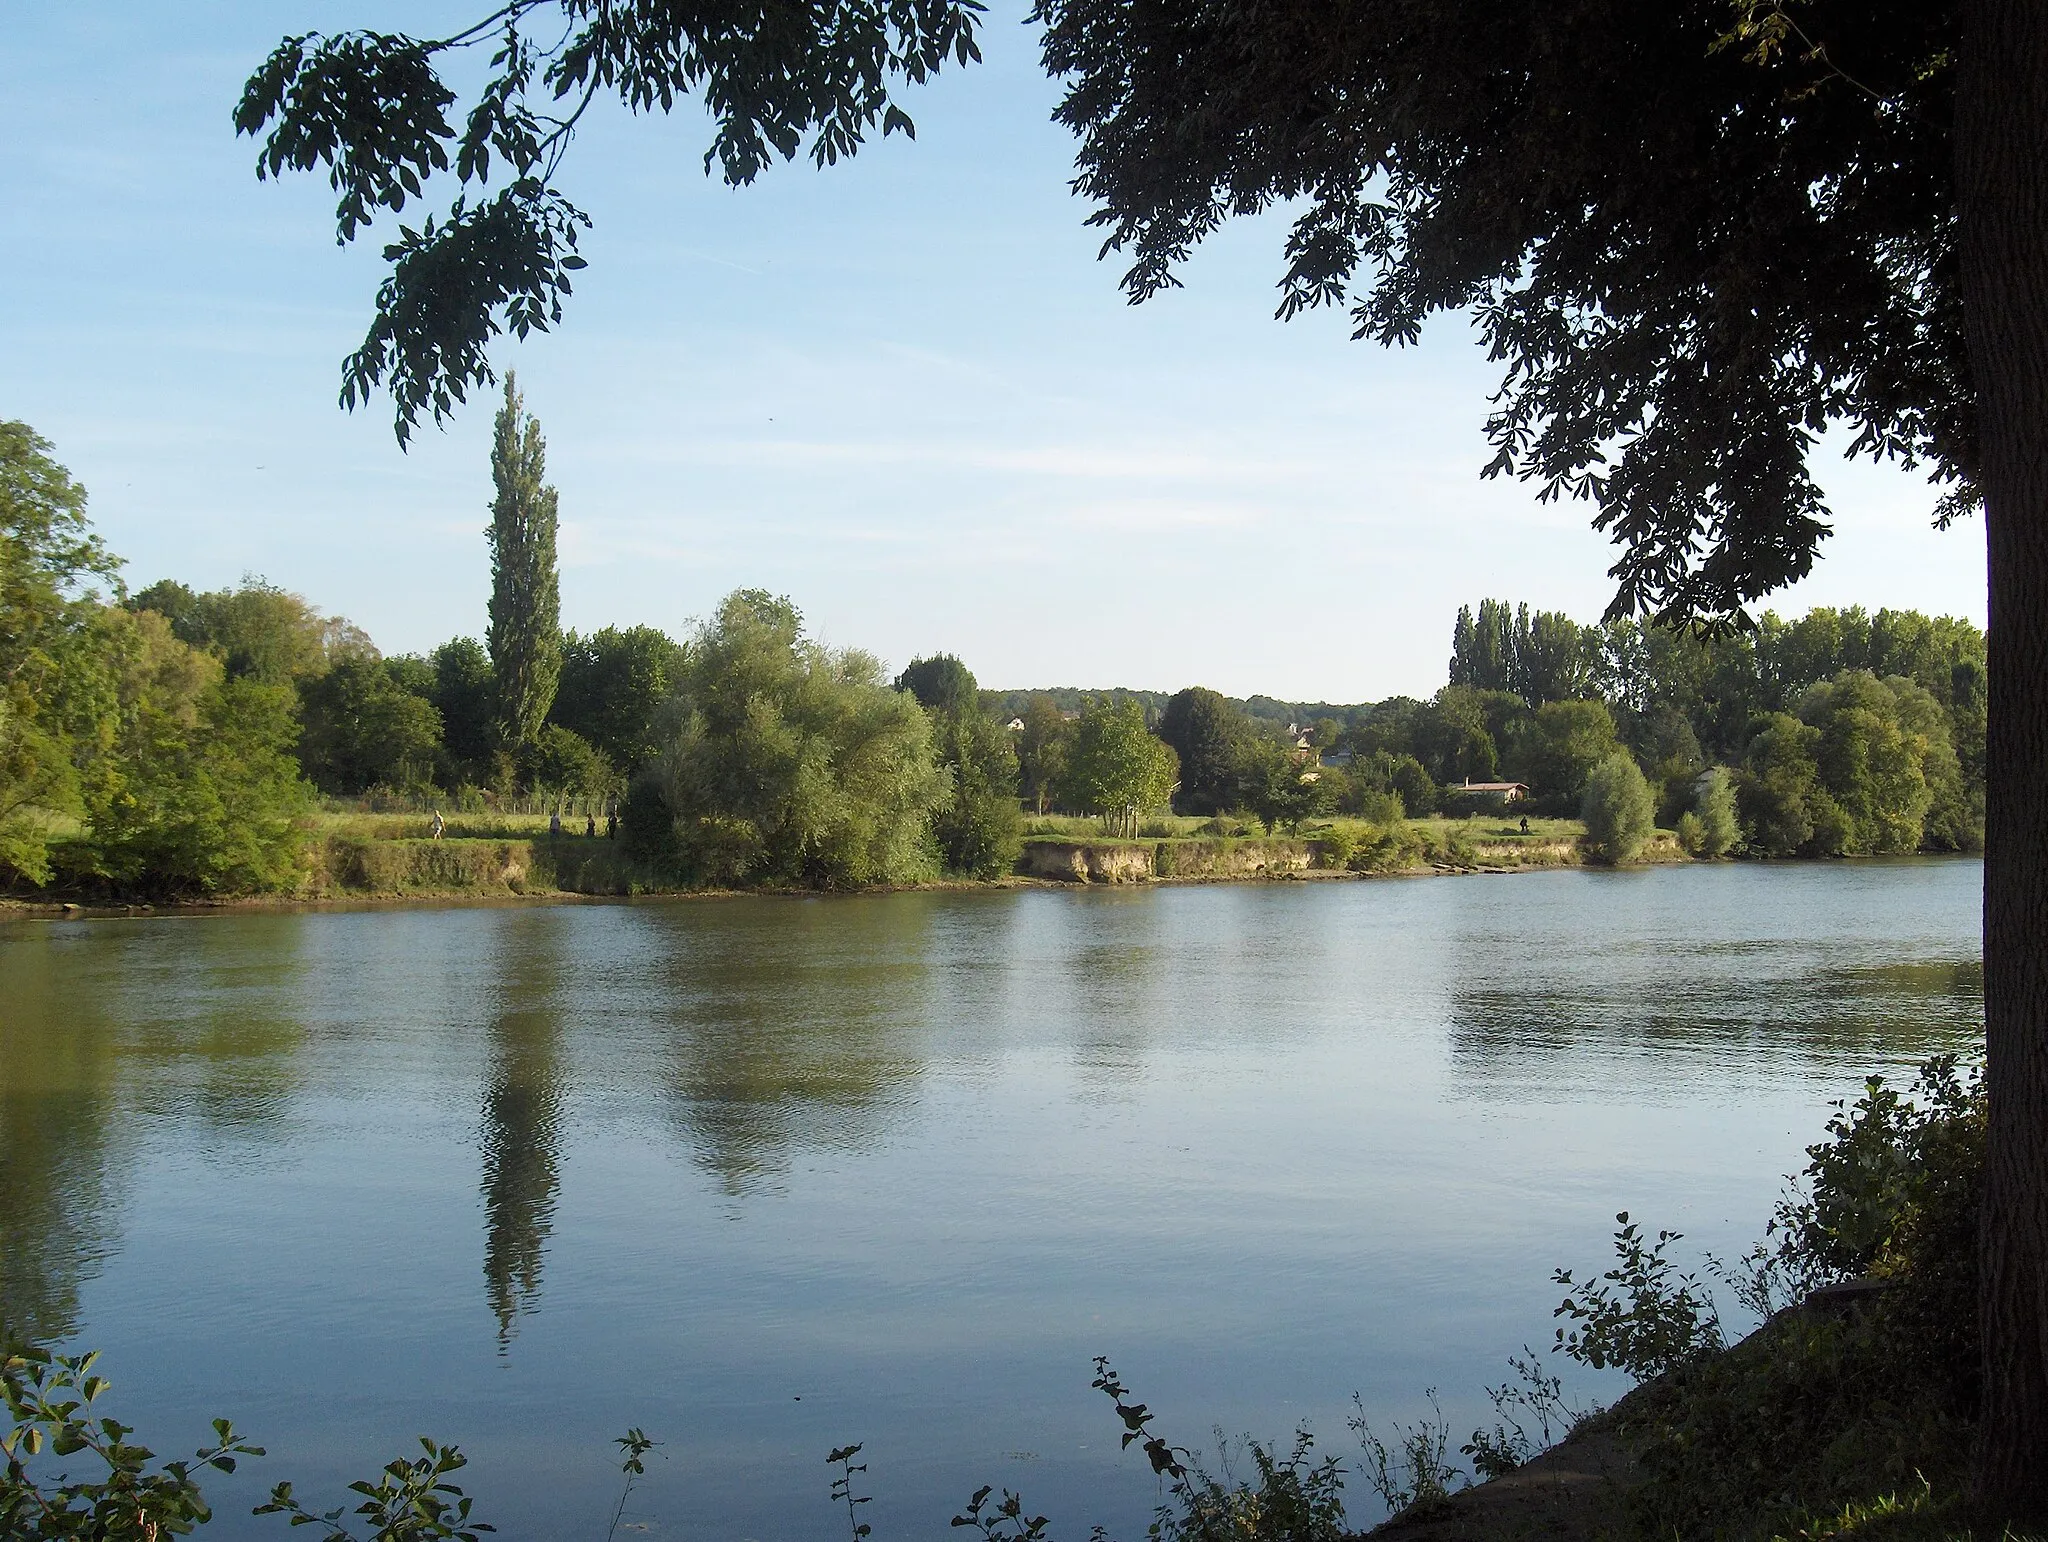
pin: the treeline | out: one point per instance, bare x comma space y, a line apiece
175, 741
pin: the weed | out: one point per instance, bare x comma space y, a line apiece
1530, 1415
633, 1448
1296, 1499
843, 1486
409, 1501
1642, 1315
1415, 1472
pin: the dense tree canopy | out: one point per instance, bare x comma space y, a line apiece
1211, 736
1117, 768
1689, 248
787, 762
613, 684
525, 636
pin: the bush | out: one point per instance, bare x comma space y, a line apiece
1618, 810
1823, 1412
1714, 813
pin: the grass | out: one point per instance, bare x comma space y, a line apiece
419, 827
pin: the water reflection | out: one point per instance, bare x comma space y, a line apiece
522, 1115
58, 1154
790, 1025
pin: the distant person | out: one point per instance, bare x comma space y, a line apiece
439, 825
1525, 824
554, 824
611, 825
589, 826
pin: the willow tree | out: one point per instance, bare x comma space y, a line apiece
525, 636
1696, 234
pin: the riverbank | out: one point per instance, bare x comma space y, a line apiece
394, 859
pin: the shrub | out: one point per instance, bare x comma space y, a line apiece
1618, 810
1823, 1412
1714, 812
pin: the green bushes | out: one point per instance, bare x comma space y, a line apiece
1829, 1411
784, 762
1619, 812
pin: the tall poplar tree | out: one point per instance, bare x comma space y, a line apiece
526, 596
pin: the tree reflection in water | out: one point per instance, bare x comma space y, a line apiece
522, 1115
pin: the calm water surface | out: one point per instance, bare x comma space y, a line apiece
767, 1176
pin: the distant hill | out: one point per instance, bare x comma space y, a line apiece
1072, 698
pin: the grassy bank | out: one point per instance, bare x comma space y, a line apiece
353, 854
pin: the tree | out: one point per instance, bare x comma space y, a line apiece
51, 564
1619, 812
1691, 244
1562, 743
613, 685
941, 683
1118, 769
1280, 787
259, 630
1714, 808
1784, 808
372, 108
363, 729
525, 637
1043, 748
978, 829
561, 765
466, 696
1211, 737
208, 807
786, 762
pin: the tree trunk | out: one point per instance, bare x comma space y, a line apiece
2001, 146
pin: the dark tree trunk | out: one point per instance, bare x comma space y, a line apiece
2001, 141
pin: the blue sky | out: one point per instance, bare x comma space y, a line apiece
903, 391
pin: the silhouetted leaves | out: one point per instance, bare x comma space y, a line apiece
373, 109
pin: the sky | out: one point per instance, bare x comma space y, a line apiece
904, 391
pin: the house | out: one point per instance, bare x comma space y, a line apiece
1507, 792
1015, 725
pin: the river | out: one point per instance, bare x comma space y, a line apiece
766, 1176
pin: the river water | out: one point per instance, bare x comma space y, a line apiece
766, 1176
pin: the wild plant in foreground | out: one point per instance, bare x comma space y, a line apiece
1415, 1470
50, 1413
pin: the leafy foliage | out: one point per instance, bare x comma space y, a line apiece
363, 729
979, 828
1413, 1474
50, 562
411, 1500
209, 808
1210, 735
560, 764
941, 684
1295, 1498
1642, 1316
1837, 1407
1619, 813
525, 637
1688, 256
613, 685
787, 762
1118, 769
51, 1413
374, 110
1044, 747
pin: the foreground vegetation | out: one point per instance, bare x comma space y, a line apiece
1848, 1413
